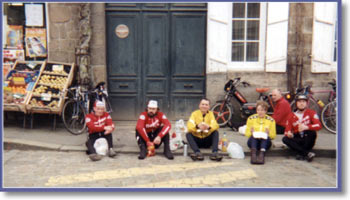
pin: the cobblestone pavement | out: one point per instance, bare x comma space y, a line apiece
74, 169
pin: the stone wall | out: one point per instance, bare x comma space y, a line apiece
300, 44
63, 20
98, 53
64, 36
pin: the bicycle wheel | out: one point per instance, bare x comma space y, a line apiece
222, 113
329, 117
312, 105
73, 116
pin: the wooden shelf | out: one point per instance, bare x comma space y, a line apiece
54, 74
21, 107
61, 98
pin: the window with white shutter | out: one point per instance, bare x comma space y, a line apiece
217, 34
277, 37
324, 37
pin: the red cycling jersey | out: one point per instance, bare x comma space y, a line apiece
310, 119
97, 124
146, 124
281, 112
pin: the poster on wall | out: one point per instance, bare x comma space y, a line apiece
9, 58
13, 54
14, 37
34, 14
4, 28
36, 42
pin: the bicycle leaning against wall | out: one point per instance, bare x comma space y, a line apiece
329, 112
315, 104
223, 110
326, 112
79, 104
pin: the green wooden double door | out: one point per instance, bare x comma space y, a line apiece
155, 51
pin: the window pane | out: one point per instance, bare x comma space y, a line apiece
252, 51
238, 10
253, 10
237, 51
237, 30
253, 30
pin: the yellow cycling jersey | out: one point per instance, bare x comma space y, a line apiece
261, 124
197, 118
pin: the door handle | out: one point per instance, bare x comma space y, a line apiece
123, 85
188, 86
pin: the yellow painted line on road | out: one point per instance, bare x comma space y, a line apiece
203, 181
129, 172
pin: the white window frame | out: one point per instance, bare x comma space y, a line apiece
243, 65
335, 63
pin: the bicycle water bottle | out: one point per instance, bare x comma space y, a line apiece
320, 103
224, 143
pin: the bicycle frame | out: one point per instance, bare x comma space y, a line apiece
310, 93
81, 98
223, 110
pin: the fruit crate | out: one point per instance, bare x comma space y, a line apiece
19, 83
49, 93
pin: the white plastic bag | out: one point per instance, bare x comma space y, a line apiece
176, 137
101, 146
242, 129
235, 150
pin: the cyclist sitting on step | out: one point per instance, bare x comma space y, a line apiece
203, 132
281, 111
100, 125
301, 127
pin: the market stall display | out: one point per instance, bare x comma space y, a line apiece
49, 91
19, 83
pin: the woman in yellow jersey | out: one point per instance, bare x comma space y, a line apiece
261, 129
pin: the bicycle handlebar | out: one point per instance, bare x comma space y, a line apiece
237, 80
245, 84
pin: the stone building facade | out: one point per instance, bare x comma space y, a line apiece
299, 55
63, 38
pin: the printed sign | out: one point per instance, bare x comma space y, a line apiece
46, 97
57, 68
14, 37
36, 42
34, 14
122, 31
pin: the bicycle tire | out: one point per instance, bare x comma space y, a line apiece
107, 103
311, 105
329, 117
222, 116
68, 120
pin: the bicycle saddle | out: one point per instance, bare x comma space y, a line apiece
100, 84
262, 90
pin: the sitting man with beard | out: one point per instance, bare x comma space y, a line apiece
301, 127
152, 130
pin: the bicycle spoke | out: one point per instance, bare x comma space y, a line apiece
225, 113
223, 119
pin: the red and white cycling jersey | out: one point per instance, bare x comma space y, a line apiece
309, 118
146, 124
97, 124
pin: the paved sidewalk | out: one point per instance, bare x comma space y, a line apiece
43, 137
